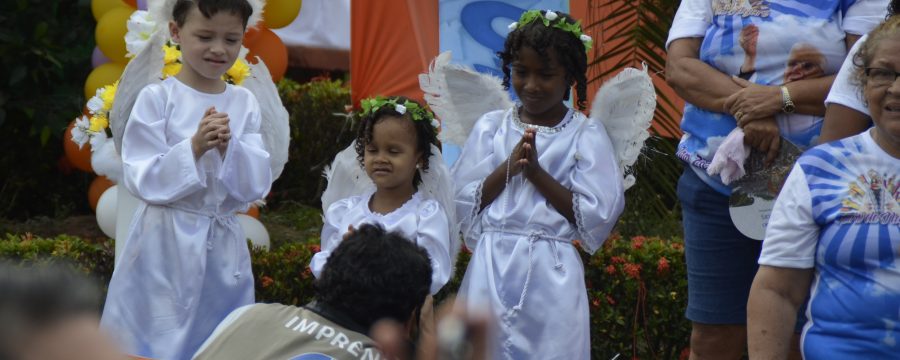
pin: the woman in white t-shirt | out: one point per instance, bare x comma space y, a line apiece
846, 113
834, 234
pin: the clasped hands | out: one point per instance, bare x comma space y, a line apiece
754, 107
213, 132
523, 158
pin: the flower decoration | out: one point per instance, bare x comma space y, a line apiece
140, 28
416, 112
551, 19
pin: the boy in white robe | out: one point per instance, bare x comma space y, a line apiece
193, 153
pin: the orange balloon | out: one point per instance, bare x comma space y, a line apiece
98, 186
253, 212
132, 3
79, 158
251, 36
271, 50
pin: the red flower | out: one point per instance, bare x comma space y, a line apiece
595, 302
663, 265
617, 260
633, 270
610, 300
306, 273
266, 281
685, 354
314, 248
611, 269
637, 242
577, 243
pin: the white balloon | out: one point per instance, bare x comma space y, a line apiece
253, 230
106, 211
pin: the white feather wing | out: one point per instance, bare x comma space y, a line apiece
144, 69
345, 178
625, 105
275, 127
459, 96
437, 184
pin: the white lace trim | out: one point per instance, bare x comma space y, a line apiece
579, 219
476, 200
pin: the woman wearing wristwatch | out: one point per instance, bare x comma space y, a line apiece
707, 49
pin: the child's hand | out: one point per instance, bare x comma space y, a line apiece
210, 133
524, 155
532, 165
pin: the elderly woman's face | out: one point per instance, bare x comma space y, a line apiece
882, 91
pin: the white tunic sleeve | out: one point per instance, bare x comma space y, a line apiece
332, 233
246, 172
154, 171
597, 191
432, 234
474, 164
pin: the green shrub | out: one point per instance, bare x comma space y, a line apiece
45, 54
637, 289
319, 130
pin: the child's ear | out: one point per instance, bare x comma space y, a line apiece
174, 31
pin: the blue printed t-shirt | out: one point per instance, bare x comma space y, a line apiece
794, 40
839, 213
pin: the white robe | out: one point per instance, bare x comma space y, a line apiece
524, 268
185, 265
421, 220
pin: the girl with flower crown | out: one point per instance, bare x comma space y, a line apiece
193, 153
405, 186
531, 179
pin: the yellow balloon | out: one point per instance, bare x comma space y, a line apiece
280, 13
101, 7
110, 34
101, 76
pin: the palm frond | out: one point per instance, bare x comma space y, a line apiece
632, 32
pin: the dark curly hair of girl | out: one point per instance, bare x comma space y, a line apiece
569, 50
426, 135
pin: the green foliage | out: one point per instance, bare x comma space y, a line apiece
637, 291
635, 32
636, 298
319, 130
95, 259
45, 52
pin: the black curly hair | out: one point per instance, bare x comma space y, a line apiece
375, 274
426, 135
209, 8
893, 8
39, 295
569, 49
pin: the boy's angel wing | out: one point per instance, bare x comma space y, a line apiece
144, 69
459, 96
345, 178
625, 105
275, 127
438, 185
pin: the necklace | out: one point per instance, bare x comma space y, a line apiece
541, 129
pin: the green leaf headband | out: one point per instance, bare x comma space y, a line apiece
547, 18
416, 111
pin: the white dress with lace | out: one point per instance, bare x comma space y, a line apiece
524, 268
421, 220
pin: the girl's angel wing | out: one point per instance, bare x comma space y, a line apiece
345, 177
438, 185
459, 96
144, 69
625, 105
275, 127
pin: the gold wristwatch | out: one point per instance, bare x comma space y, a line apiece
787, 105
